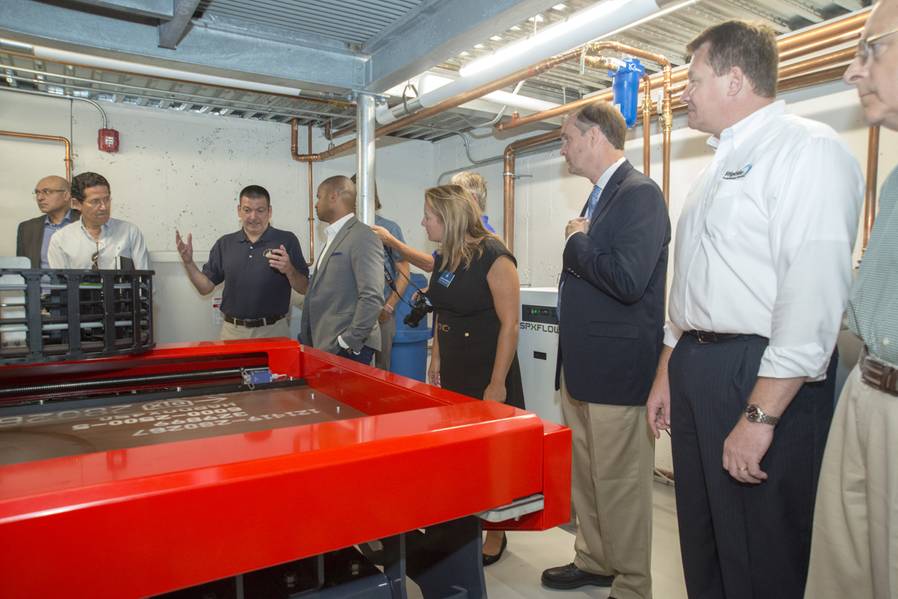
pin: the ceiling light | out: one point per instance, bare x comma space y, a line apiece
560, 6
515, 28
496, 38
536, 19
575, 30
478, 46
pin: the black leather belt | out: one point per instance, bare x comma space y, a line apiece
878, 375
711, 337
252, 323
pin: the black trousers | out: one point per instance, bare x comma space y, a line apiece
742, 541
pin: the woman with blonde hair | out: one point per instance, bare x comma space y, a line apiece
475, 291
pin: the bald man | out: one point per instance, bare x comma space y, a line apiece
33, 236
345, 295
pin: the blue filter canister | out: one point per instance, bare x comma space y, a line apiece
625, 85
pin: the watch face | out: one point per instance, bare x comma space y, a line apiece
752, 413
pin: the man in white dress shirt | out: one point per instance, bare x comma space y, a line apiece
762, 268
97, 241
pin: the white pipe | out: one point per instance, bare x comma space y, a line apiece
581, 27
427, 83
365, 166
112, 64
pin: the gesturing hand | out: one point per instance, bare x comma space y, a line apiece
279, 260
185, 248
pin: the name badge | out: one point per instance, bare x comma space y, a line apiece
446, 278
737, 174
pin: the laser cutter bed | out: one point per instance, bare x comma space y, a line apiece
134, 476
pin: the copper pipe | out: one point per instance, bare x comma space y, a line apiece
294, 145
813, 40
823, 44
508, 177
311, 259
62, 140
447, 104
870, 195
647, 106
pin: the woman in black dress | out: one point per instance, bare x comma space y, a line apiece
475, 291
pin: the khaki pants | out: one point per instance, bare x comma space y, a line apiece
231, 331
613, 466
854, 548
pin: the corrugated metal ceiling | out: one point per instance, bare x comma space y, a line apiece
356, 21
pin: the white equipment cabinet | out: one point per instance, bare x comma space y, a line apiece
538, 351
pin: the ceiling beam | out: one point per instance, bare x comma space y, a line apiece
437, 31
156, 9
172, 32
203, 50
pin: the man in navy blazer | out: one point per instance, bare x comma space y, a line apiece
611, 314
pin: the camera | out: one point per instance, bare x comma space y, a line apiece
420, 307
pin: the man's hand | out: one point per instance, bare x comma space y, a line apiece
576, 225
744, 448
386, 314
495, 392
279, 260
185, 248
658, 405
385, 236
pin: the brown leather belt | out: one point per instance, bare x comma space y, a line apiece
878, 375
252, 323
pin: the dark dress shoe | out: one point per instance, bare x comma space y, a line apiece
572, 577
489, 560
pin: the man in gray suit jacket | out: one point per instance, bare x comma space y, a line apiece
33, 236
345, 293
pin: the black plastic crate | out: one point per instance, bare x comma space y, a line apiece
61, 314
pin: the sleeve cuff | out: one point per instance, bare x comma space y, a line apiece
342, 343
808, 361
672, 334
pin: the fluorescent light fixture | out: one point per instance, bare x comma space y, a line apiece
572, 26
536, 18
496, 38
560, 6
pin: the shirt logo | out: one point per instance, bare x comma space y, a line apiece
737, 174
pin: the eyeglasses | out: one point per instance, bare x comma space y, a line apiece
866, 48
107, 201
46, 191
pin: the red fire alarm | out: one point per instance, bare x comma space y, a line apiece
107, 140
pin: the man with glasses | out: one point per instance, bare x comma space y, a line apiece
33, 236
854, 552
100, 242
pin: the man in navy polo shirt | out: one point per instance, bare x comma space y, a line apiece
259, 266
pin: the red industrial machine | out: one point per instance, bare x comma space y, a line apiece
132, 476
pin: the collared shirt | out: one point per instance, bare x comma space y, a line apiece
391, 257
331, 232
602, 182
764, 241
873, 309
74, 247
486, 223
253, 289
49, 228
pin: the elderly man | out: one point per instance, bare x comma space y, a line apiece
853, 553
345, 294
258, 264
611, 302
33, 236
762, 268
99, 241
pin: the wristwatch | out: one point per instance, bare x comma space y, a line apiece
754, 413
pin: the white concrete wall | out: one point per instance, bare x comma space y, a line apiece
184, 171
